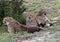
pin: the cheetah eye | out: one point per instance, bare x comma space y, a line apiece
29, 17
45, 14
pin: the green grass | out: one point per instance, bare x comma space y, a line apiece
3, 29
5, 37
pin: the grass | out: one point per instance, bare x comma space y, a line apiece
3, 29
5, 37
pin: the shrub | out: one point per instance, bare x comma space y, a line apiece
13, 9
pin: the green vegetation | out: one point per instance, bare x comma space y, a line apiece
13, 9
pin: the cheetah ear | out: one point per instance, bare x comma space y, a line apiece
42, 12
